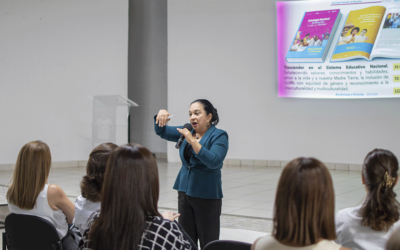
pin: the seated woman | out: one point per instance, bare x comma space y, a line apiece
304, 209
30, 194
368, 226
129, 218
91, 184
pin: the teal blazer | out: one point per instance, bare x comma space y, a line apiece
201, 176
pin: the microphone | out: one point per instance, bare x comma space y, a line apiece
188, 126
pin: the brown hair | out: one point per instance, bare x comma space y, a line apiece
129, 196
305, 204
92, 182
393, 242
380, 209
31, 172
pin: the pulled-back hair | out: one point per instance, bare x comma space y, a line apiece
31, 172
129, 197
209, 108
92, 182
305, 204
380, 209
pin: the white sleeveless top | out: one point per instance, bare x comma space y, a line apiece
350, 233
83, 209
43, 210
270, 243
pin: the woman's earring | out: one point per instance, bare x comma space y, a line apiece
208, 125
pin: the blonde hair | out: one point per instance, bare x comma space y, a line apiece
30, 174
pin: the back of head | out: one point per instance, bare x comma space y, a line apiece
380, 209
30, 175
129, 197
305, 203
92, 182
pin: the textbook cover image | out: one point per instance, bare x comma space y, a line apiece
314, 36
369, 33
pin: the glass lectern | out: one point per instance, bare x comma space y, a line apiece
111, 119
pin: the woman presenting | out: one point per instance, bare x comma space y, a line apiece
199, 182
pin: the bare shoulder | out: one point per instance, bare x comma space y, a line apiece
54, 191
344, 248
253, 246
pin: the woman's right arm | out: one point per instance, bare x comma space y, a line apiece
57, 199
168, 133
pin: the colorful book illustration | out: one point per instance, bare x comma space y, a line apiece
369, 33
314, 36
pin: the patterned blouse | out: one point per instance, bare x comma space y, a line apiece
160, 234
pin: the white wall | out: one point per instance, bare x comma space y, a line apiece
53, 55
225, 51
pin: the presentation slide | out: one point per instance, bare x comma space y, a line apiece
338, 49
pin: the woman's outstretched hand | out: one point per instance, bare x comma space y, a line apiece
170, 215
162, 117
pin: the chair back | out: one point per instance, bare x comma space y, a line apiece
227, 245
23, 232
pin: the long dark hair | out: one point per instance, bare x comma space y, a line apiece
209, 108
304, 208
380, 209
129, 198
92, 182
30, 174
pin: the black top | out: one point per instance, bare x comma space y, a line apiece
188, 152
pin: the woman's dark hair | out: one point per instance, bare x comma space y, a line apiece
304, 210
209, 108
356, 28
380, 209
129, 198
92, 182
30, 174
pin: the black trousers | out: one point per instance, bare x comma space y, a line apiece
200, 218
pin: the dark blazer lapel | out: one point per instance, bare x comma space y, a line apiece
203, 140
205, 137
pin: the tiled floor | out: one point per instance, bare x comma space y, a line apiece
249, 193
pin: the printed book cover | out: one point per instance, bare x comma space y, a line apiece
369, 33
314, 36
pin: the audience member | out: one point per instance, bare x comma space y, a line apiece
368, 226
129, 218
304, 209
91, 184
30, 194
